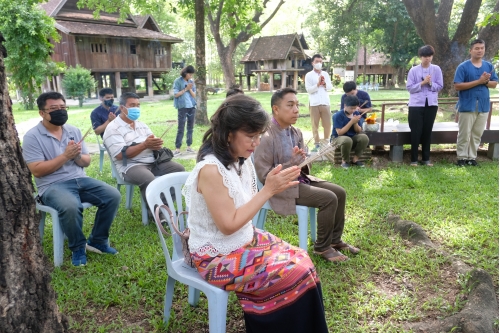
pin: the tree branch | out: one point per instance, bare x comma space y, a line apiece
215, 24
423, 16
489, 34
443, 19
467, 21
243, 36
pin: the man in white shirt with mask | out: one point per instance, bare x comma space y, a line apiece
318, 83
131, 143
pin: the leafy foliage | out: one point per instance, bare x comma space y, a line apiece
169, 77
77, 82
341, 27
26, 29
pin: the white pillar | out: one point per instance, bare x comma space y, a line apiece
118, 85
150, 84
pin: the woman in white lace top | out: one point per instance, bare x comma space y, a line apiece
276, 283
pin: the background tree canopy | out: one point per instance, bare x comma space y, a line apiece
26, 30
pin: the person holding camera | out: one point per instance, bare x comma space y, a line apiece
185, 103
318, 84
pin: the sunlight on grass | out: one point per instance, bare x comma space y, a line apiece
378, 290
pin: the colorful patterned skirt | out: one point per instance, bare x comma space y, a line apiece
275, 282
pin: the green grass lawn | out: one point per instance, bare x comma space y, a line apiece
388, 284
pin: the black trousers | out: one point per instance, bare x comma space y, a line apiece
421, 119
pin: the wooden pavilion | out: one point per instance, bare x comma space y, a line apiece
133, 49
281, 57
377, 67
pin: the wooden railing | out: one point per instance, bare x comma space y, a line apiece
442, 101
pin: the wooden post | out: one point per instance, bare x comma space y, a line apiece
283, 79
295, 80
258, 80
271, 81
59, 87
48, 84
131, 82
241, 80
118, 85
54, 85
248, 82
150, 84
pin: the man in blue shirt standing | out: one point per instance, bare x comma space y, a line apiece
185, 103
473, 78
104, 113
347, 128
365, 103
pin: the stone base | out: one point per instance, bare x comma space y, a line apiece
396, 153
493, 151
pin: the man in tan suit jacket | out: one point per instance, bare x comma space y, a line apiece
284, 144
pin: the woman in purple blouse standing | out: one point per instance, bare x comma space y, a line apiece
424, 82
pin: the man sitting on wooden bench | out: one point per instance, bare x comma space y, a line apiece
347, 128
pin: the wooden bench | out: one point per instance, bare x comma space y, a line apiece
442, 133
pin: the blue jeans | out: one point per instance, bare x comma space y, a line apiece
182, 115
67, 197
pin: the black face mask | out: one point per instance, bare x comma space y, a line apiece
109, 102
58, 117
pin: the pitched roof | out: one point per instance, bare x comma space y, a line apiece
372, 58
50, 6
273, 47
83, 28
72, 20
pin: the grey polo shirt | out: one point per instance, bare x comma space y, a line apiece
39, 145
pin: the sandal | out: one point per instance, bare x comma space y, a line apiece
332, 255
427, 163
414, 164
344, 246
359, 164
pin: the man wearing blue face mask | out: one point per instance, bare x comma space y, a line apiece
131, 144
104, 113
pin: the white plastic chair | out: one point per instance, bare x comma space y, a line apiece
177, 269
302, 212
57, 232
129, 191
102, 149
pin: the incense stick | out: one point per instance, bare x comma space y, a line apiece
86, 133
168, 128
325, 150
362, 106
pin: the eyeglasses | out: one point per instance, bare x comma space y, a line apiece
254, 138
56, 107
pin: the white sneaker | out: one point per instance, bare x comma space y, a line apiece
177, 152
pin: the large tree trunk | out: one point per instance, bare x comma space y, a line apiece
432, 27
364, 64
27, 301
226, 58
201, 68
401, 77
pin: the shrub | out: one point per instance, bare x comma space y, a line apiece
77, 82
169, 77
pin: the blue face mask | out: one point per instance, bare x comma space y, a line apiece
133, 113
